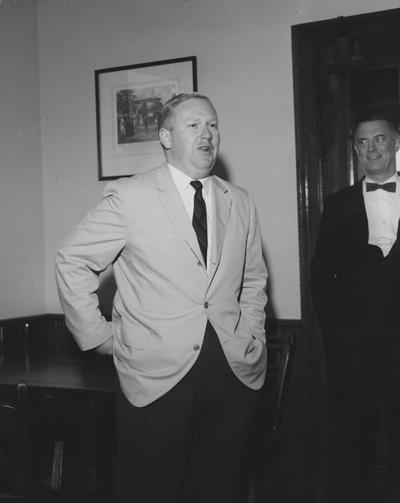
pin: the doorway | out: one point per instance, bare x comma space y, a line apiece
340, 66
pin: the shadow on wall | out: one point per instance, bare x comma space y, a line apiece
220, 169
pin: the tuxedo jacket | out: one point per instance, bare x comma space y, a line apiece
354, 287
165, 295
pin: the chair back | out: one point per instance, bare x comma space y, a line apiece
283, 385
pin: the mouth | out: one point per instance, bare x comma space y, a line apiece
205, 148
373, 157
373, 160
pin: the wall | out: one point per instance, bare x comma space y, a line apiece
244, 63
237, 46
22, 271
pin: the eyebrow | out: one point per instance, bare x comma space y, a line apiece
374, 136
197, 119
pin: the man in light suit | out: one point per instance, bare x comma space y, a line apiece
187, 331
355, 279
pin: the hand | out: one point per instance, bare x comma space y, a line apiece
106, 348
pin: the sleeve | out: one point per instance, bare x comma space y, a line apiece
88, 250
253, 298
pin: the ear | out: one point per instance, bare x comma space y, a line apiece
397, 142
165, 138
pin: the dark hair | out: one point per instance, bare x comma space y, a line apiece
169, 107
388, 114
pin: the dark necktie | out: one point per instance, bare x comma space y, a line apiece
199, 220
389, 187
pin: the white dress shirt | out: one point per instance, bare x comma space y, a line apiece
383, 212
186, 191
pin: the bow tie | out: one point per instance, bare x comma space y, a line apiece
389, 187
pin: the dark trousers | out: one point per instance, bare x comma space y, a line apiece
187, 446
364, 380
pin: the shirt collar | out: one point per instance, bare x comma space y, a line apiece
394, 178
182, 181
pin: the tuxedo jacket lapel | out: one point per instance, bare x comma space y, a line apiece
356, 220
395, 250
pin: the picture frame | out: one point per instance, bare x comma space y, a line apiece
128, 100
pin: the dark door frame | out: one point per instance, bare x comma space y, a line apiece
345, 35
313, 44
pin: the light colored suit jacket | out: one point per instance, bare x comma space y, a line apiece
164, 293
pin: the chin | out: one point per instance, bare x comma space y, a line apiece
205, 170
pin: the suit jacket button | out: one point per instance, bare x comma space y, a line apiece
206, 305
196, 347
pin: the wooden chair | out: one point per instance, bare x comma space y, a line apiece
15, 452
283, 385
270, 480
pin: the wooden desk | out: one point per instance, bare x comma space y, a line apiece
78, 377
77, 394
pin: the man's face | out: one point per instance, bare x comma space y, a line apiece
191, 141
376, 145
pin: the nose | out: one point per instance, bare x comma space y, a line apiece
371, 145
206, 132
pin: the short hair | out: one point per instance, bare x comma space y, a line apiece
390, 115
169, 106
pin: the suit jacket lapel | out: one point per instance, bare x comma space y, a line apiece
172, 203
221, 210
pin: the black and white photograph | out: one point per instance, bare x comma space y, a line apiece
200, 251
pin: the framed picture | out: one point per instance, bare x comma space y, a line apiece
128, 102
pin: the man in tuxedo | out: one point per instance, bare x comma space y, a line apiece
355, 280
187, 330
